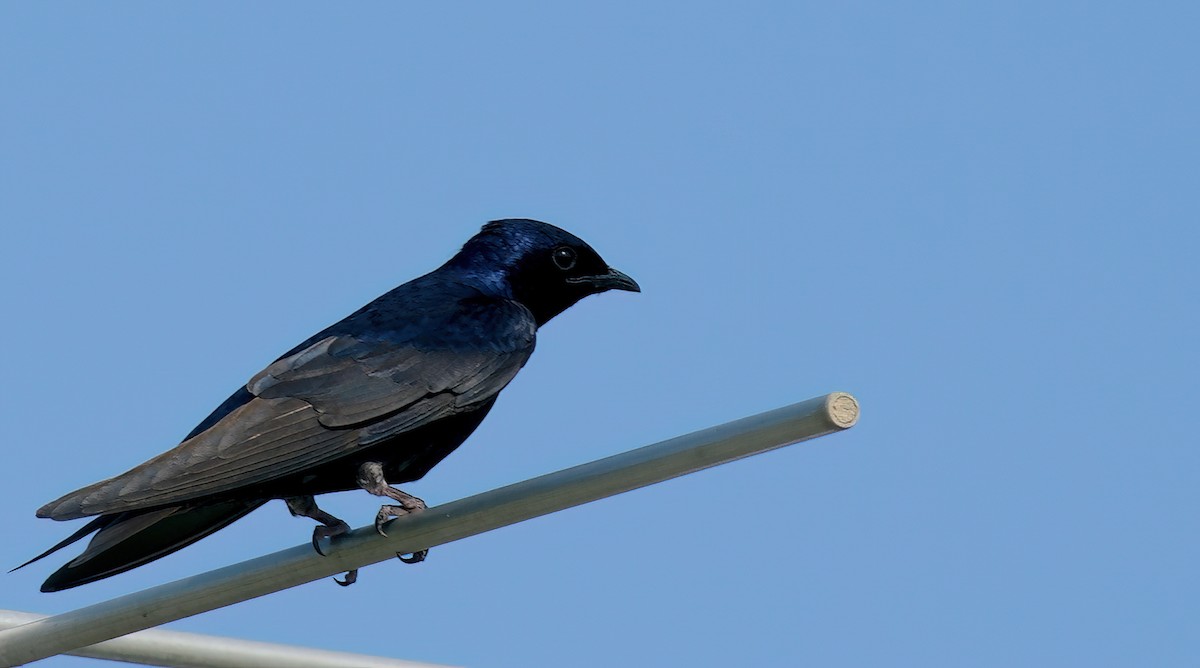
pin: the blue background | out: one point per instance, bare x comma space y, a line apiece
980, 218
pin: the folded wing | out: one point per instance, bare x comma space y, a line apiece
319, 404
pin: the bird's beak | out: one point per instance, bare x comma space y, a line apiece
613, 280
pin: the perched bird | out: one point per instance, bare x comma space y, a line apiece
378, 398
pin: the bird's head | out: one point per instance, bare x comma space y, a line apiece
541, 266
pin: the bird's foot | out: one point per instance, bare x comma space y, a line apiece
330, 527
328, 531
306, 506
414, 558
387, 513
370, 478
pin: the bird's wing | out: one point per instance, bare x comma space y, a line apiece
314, 406
349, 381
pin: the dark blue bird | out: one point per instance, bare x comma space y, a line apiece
378, 398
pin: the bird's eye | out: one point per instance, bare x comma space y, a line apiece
564, 258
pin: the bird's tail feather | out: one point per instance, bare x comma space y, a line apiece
94, 525
128, 540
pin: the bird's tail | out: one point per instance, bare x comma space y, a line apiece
128, 540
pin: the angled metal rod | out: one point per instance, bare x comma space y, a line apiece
176, 649
435, 526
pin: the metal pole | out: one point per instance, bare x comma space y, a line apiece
435, 526
176, 649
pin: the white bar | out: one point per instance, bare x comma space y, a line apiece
176, 649
435, 526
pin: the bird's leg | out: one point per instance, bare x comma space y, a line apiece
306, 506
370, 478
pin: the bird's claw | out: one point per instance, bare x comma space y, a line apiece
415, 558
387, 514
328, 531
351, 577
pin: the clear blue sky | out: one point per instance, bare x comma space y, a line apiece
980, 218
